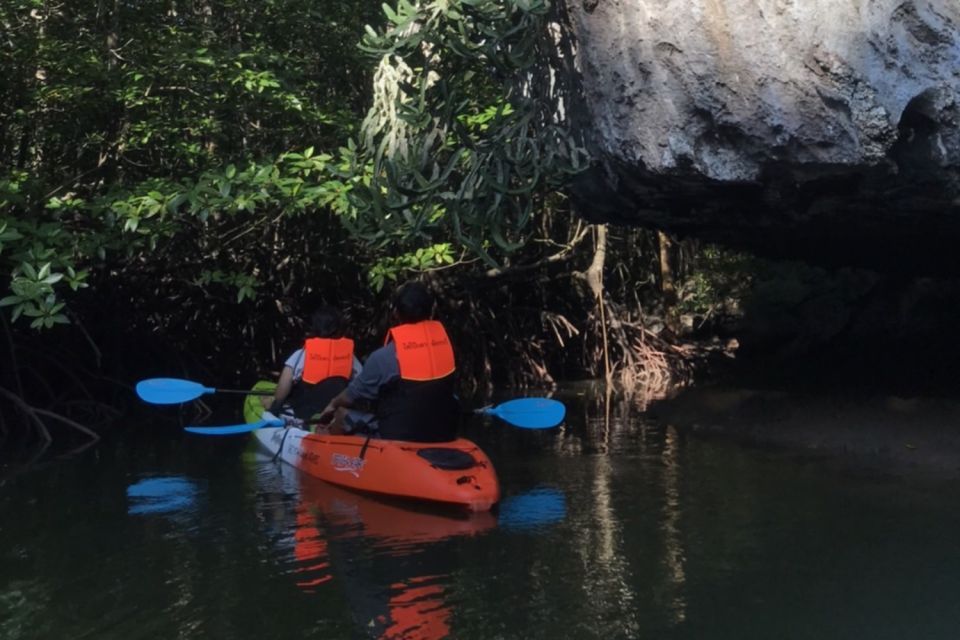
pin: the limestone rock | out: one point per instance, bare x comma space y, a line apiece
818, 129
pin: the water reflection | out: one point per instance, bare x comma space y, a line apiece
162, 495
612, 527
674, 556
531, 510
310, 551
417, 610
358, 543
614, 576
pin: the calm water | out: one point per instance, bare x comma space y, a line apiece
612, 527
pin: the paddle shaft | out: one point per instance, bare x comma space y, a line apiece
246, 392
526, 413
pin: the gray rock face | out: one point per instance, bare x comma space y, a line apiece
820, 129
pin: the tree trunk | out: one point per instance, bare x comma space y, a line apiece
667, 285
595, 281
109, 156
205, 10
31, 152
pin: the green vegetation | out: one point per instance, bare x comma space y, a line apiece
162, 131
188, 176
184, 125
463, 133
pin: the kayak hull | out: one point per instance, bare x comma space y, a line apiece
387, 467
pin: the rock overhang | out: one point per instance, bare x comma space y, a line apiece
818, 130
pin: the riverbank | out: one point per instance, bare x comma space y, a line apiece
888, 434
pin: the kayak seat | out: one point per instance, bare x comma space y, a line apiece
451, 459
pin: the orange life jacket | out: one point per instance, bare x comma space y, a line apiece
327, 358
423, 350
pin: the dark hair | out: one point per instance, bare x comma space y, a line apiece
413, 302
325, 322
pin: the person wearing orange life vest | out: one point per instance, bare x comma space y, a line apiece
409, 380
318, 371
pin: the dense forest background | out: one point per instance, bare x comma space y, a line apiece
181, 181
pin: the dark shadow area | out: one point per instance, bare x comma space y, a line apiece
848, 330
846, 364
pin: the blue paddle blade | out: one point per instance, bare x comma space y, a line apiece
529, 413
170, 390
235, 428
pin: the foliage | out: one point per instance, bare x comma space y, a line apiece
138, 133
465, 133
423, 259
716, 279
181, 180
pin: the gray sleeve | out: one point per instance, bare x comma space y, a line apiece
380, 369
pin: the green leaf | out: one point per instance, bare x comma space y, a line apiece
390, 13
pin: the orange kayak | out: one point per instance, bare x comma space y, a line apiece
454, 473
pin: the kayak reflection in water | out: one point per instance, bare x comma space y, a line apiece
372, 550
417, 611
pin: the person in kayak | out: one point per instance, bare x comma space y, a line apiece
318, 371
409, 380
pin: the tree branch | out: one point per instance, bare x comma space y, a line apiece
29, 412
76, 425
561, 256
